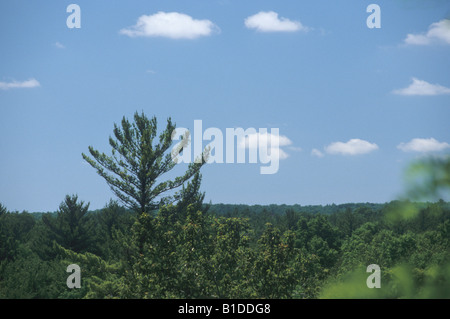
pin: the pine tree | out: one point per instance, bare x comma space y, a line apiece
137, 164
71, 228
3, 209
191, 195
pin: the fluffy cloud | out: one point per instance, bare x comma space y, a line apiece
315, 152
256, 140
423, 145
352, 147
420, 87
31, 83
437, 32
270, 22
172, 25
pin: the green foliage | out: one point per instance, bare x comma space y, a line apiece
429, 178
3, 209
99, 278
14, 229
28, 277
277, 264
399, 282
186, 251
351, 285
229, 267
72, 227
178, 247
410, 244
138, 162
113, 222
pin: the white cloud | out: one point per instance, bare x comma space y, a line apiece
270, 22
59, 45
31, 83
423, 145
352, 147
256, 140
315, 152
437, 32
172, 25
420, 87
417, 39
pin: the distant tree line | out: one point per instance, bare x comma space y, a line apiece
160, 240
192, 251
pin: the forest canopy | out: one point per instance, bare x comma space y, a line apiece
148, 244
226, 251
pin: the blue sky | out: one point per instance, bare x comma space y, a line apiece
357, 104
